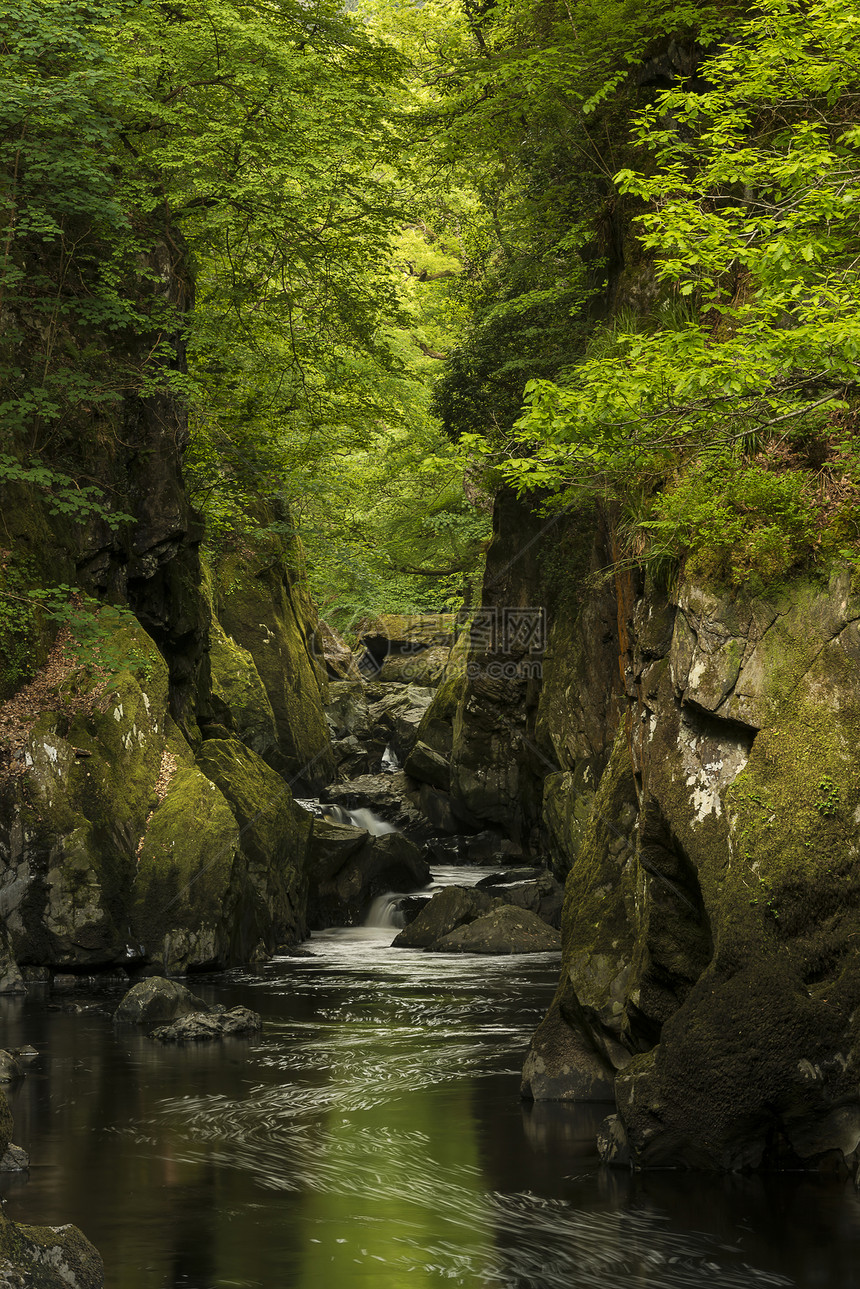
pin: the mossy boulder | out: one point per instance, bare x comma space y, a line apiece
156, 1000
73, 815
274, 840
47, 1257
238, 700
260, 605
506, 929
450, 908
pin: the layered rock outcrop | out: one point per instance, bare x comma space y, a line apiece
713, 897
695, 762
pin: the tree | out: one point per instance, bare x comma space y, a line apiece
749, 183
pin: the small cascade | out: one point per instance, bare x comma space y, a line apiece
359, 818
366, 819
390, 761
387, 911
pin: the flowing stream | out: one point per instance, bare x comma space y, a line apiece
373, 1136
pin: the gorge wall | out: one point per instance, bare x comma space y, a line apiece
694, 774
146, 812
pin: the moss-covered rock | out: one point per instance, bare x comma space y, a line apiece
506, 929
156, 1000
450, 908
238, 700
74, 814
260, 604
715, 967
184, 897
47, 1257
274, 839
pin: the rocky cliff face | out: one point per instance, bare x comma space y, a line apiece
704, 801
146, 813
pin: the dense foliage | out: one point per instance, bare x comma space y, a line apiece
416, 249
728, 403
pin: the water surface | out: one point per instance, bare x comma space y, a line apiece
373, 1135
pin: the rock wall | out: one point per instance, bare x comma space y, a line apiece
700, 791
146, 813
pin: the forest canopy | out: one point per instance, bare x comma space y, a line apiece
587, 250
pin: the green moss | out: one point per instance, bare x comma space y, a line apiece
274, 838
184, 874
44, 1257
252, 598
568, 799
239, 699
599, 918
794, 873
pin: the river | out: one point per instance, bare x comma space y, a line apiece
373, 1136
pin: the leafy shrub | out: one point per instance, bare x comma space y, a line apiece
740, 526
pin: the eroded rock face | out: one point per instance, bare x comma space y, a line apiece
261, 605
713, 901
116, 846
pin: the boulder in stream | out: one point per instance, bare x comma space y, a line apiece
449, 908
10, 1070
462, 919
209, 1025
15, 1160
156, 1001
506, 929
542, 894
47, 1257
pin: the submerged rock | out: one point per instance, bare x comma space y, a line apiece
207, 1026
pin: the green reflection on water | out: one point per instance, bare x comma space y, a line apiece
412, 1209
